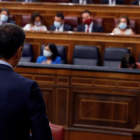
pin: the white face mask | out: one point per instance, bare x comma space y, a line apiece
37, 23
57, 24
47, 53
3, 18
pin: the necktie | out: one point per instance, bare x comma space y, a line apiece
87, 29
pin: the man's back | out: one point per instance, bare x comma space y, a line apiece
21, 108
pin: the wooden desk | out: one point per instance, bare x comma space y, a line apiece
69, 40
92, 103
48, 11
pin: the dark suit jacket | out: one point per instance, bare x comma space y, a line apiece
95, 28
136, 2
107, 2
66, 28
88, 1
21, 108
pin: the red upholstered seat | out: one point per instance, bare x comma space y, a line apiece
72, 21
25, 19
57, 132
98, 21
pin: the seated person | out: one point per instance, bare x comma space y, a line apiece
128, 61
59, 25
50, 55
83, 1
112, 2
28, 0
88, 24
123, 26
5, 17
36, 23
136, 2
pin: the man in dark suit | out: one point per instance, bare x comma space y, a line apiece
83, 1
88, 26
21, 103
59, 25
112, 2
136, 2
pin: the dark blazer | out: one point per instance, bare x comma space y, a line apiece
66, 28
21, 108
88, 1
136, 2
107, 2
95, 28
11, 21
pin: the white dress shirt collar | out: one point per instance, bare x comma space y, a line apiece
83, 1
90, 27
5, 63
112, 2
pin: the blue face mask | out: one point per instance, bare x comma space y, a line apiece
3, 18
57, 24
122, 25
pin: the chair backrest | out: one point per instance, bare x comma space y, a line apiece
98, 21
25, 19
132, 24
72, 21
57, 132
113, 56
86, 55
27, 53
61, 52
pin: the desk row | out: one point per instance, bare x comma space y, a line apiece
82, 55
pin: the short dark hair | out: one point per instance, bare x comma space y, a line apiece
86, 11
11, 39
128, 59
127, 20
60, 15
53, 49
5, 9
33, 17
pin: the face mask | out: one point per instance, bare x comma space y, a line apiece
122, 25
47, 53
37, 23
57, 24
88, 21
3, 18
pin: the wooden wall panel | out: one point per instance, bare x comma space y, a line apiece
48, 98
115, 110
90, 104
62, 101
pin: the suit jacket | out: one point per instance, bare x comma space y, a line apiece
66, 28
21, 108
88, 1
95, 28
136, 2
107, 2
